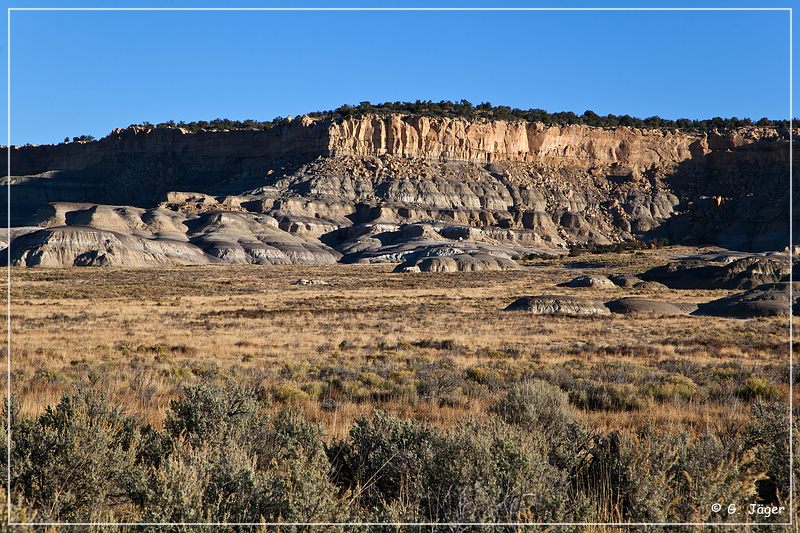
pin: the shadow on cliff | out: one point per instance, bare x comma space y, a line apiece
736, 198
137, 179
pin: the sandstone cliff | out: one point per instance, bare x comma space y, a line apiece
349, 186
439, 139
484, 142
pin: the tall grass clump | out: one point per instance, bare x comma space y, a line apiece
649, 475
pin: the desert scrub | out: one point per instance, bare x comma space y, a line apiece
542, 408
383, 461
676, 387
651, 476
710, 469
477, 473
489, 377
769, 432
536, 404
75, 460
213, 414
282, 475
226, 454
440, 381
288, 393
755, 387
495, 472
594, 396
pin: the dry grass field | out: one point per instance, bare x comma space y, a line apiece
428, 346
236, 394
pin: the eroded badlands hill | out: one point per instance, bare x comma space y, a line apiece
392, 188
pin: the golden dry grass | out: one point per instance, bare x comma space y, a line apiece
371, 338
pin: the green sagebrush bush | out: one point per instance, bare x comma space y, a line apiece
217, 460
476, 473
605, 396
484, 472
537, 404
220, 457
227, 462
213, 414
653, 476
77, 461
382, 464
769, 433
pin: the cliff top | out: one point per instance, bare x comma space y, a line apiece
467, 111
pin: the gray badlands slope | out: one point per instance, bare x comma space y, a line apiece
430, 194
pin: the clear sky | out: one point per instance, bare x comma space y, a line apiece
87, 72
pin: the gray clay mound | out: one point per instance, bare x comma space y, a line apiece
479, 262
626, 281
598, 282
745, 273
650, 286
85, 246
770, 299
558, 305
644, 306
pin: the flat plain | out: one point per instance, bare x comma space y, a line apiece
434, 346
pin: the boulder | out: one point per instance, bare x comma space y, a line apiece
177, 197
437, 264
558, 305
650, 286
597, 282
304, 281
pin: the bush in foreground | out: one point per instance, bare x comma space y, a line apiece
221, 457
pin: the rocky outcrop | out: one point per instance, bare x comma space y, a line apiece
558, 305
766, 300
462, 262
388, 242
482, 142
596, 282
626, 281
407, 136
85, 246
771, 299
745, 273
356, 189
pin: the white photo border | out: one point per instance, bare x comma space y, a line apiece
790, 248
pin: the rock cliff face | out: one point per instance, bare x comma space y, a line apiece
439, 139
485, 142
395, 188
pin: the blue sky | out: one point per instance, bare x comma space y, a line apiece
85, 72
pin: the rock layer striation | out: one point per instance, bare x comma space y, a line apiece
398, 188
